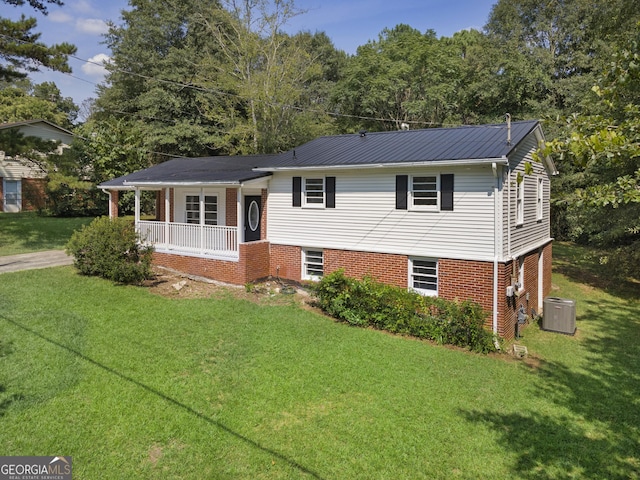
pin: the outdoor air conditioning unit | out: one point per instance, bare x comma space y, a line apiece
559, 315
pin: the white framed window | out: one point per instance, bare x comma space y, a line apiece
312, 264
424, 192
12, 192
192, 209
520, 284
520, 202
423, 276
539, 198
314, 192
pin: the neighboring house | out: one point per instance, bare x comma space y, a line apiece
445, 211
22, 180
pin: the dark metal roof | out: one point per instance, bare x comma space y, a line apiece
407, 146
466, 143
204, 170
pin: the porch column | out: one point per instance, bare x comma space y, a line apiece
167, 214
137, 206
240, 215
202, 219
113, 203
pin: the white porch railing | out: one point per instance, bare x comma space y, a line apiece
190, 238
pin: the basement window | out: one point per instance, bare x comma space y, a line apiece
423, 276
312, 264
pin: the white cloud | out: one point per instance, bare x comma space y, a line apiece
60, 17
92, 25
83, 6
94, 67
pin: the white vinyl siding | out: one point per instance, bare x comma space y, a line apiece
365, 217
518, 239
423, 276
312, 264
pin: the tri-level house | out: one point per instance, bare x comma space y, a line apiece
461, 213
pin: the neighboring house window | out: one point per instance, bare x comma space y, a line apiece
12, 192
317, 192
312, 264
423, 276
539, 198
520, 202
424, 192
192, 209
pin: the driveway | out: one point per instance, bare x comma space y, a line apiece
31, 261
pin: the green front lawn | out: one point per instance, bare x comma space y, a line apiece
135, 385
28, 232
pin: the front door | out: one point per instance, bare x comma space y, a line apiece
252, 208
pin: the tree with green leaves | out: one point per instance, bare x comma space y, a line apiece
600, 152
22, 100
216, 79
403, 77
154, 81
20, 49
564, 44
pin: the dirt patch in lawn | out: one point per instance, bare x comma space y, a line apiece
171, 284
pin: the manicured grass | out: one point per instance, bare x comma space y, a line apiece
27, 232
133, 385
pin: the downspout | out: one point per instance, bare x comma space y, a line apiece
496, 240
508, 211
108, 192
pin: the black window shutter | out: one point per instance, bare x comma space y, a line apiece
297, 191
330, 187
402, 184
446, 192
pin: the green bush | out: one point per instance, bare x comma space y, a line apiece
110, 248
369, 303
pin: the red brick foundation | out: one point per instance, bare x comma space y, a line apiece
457, 279
253, 264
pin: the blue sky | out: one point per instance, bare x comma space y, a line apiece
349, 23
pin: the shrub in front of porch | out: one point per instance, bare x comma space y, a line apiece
111, 248
370, 303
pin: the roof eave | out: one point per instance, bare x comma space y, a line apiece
421, 163
132, 185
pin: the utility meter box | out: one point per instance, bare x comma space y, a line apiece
559, 315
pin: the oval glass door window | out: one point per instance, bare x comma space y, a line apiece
254, 216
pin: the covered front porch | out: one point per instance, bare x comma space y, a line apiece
210, 215
208, 240
209, 221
